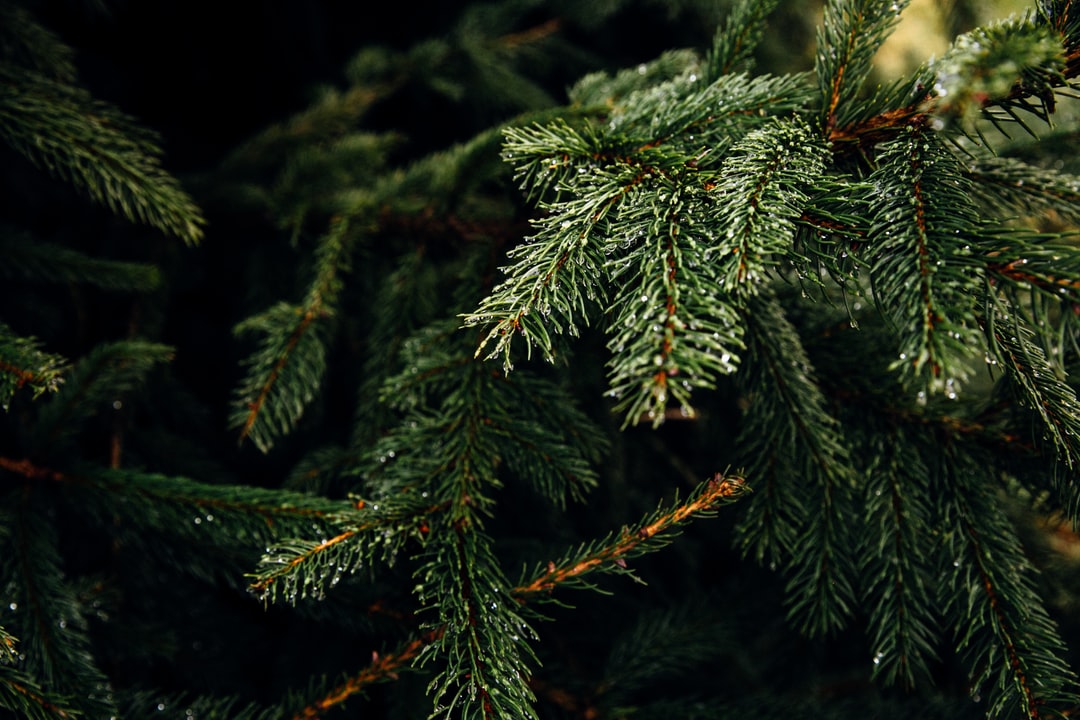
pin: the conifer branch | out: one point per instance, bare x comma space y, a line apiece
673, 199
1008, 640
923, 282
996, 70
895, 564
332, 118
49, 618
383, 667
95, 147
1040, 268
850, 34
646, 536
110, 370
24, 364
298, 569
21, 694
29, 44
190, 508
738, 37
545, 440
766, 186
35, 261
1024, 188
1039, 388
285, 372
610, 554
796, 517
674, 327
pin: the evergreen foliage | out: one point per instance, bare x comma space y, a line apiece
789, 354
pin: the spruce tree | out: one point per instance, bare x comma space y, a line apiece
788, 352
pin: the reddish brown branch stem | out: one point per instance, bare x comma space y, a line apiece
255, 407
382, 667
1003, 623
22, 377
38, 700
385, 667
718, 488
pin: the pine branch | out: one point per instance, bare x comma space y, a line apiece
923, 281
1001, 182
735, 41
673, 328
297, 569
25, 42
1039, 388
30, 260
109, 371
848, 38
226, 514
829, 234
766, 183
96, 148
607, 555
664, 644
897, 556
327, 180
21, 694
50, 620
610, 554
599, 89
542, 438
999, 70
23, 364
694, 122
383, 667
1036, 272
1007, 639
285, 372
482, 640
589, 241
481, 636
796, 447
334, 116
